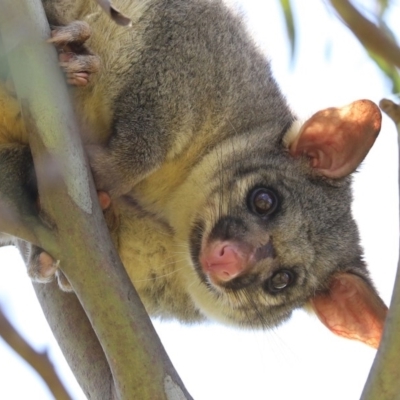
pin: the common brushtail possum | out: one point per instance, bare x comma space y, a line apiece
228, 207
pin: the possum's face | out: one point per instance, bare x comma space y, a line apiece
267, 238
275, 228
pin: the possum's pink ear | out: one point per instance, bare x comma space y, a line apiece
352, 309
336, 140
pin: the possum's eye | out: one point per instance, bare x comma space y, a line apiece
280, 280
262, 201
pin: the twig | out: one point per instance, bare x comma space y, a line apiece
39, 361
367, 33
392, 110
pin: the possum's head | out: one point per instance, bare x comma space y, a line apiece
275, 231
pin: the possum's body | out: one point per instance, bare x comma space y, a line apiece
217, 219
186, 75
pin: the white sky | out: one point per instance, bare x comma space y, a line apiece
301, 359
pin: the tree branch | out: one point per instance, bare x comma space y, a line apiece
11, 223
384, 378
139, 365
367, 33
39, 361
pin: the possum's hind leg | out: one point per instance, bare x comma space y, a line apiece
75, 58
19, 197
42, 267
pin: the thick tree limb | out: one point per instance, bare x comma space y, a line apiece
75, 335
12, 224
384, 379
140, 367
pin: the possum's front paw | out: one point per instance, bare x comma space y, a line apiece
77, 61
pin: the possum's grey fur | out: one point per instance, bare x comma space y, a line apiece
182, 122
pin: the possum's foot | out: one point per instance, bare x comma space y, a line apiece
77, 61
74, 34
78, 68
43, 267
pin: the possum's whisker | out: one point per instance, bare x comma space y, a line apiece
182, 248
233, 127
230, 191
243, 298
179, 252
163, 233
160, 276
175, 261
255, 308
221, 182
180, 243
192, 284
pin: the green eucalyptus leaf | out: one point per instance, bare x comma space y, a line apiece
383, 6
389, 70
289, 20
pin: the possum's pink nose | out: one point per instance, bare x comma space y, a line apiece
222, 261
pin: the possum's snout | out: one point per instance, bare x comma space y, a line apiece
223, 261
234, 254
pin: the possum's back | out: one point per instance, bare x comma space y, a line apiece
188, 64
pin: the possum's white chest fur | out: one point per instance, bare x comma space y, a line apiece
157, 264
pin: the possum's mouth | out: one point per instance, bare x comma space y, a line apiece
196, 244
226, 260
195, 240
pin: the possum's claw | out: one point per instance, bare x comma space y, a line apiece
75, 58
74, 34
78, 68
63, 282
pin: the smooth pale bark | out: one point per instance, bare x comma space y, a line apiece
384, 379
133, 354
